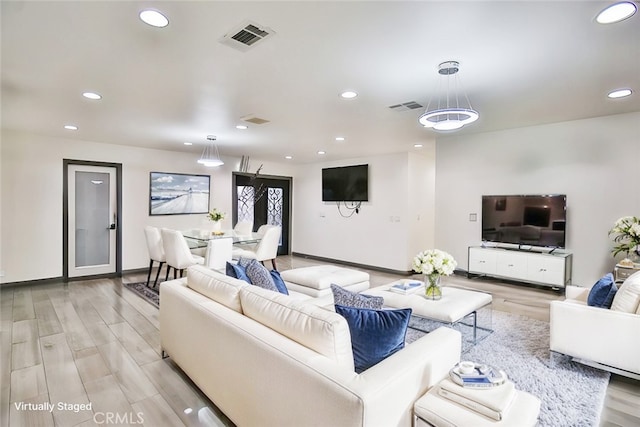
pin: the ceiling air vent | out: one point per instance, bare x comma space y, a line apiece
255, 120
246, 35
406, 106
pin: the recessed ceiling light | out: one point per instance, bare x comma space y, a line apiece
348, 94
71, 127
322, 152
617, 12
242, 127
417, 145
188, 143
619, 93
92, 95
154, 18
288, 157
339, 138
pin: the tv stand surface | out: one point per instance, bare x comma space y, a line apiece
543, 268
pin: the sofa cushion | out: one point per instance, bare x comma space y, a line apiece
321, 330
260, 276
602, 292
627, 298
347, 298
237, 271
277, 280
375, 334
217, 286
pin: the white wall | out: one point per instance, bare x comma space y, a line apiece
31, 211
386, 231
594, 162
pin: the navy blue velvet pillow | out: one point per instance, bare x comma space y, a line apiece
375, 334
282, 288
602, 293
237, 272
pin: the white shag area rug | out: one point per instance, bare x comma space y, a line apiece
572, 394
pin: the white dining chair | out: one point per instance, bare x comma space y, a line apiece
265, 249
156, 251
177, 252
243, 228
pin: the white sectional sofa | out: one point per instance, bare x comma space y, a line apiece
268, 359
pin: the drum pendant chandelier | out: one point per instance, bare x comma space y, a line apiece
210, 156
448, 115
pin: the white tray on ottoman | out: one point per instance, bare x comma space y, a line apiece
316, 281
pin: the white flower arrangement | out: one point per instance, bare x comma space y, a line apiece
434, 261
626, 233
215, 215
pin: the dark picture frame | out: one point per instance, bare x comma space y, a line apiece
178, 193
501, 204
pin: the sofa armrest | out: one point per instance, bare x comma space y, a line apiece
600, 335
576, 293
391, 387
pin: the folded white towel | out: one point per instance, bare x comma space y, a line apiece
491, 402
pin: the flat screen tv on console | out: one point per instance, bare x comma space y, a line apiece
345, 184
535, 220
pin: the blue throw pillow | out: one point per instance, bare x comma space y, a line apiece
237, 272
347, 298
375, 334
282, 288
260, 276
602, 293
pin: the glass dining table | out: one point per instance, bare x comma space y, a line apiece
218, 247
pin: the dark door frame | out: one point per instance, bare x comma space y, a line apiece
65, 216
234, 202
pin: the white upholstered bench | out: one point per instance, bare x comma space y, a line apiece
316, 281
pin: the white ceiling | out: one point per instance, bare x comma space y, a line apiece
522, 63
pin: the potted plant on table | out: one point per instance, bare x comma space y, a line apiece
434, 264
216, 217
626, 235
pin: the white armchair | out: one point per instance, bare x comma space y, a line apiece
607, 339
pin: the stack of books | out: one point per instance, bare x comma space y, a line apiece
483, 376
406, 286
492, 402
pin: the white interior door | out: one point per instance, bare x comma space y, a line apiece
92, 220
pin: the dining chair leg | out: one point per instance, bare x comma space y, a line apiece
168, 270
181, 273
273, 263
149, 275
155, 282
175, 273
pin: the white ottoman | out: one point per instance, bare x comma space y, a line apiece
435, 410
316, 281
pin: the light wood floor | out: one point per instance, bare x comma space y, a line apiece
96, 342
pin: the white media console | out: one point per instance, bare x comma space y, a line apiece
549, 269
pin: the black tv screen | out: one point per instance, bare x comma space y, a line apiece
536, 220
345, 184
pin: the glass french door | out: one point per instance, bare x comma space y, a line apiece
92, 195
263, 200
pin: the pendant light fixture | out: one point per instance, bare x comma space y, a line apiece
448, 114
210, 156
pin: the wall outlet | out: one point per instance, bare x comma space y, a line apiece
473, 217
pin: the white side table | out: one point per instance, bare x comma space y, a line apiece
433, 410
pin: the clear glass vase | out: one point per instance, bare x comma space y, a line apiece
432, 289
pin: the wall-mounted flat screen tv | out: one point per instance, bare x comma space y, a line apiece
345, 184
536, 220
